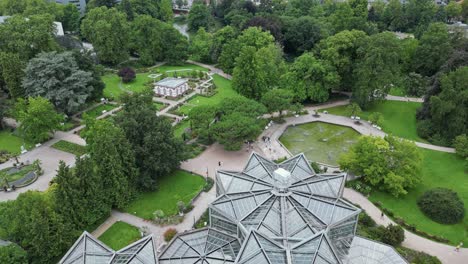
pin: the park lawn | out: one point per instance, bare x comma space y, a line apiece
120, 235
97, 111
399, 117
223, 90
185, 66
397, 91
12, 143
77, 150
114, 87
180, 128
440, 169
178, 186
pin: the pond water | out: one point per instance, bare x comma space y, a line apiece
319, 141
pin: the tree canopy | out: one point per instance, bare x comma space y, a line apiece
37, 117
157, 151
390, 164
57, 77
108, 31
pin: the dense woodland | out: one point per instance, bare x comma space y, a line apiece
281, 54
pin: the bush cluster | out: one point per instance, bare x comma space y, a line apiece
442, 205
169, 234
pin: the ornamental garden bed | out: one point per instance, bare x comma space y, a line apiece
77, 150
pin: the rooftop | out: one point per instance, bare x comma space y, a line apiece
268, 213
171, 82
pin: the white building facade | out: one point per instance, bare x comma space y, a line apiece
172, 87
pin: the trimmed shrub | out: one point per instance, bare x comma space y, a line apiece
393, 235
209, 184
442, 205
315, 166
127, 74
169, 234
366, 220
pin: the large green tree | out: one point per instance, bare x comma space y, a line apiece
433, 50
37, 117
80, 192
156, 149
238, 121
56, 76
256, 70
448, 109
303, 33
32, 222
114, 159
108, 31
220, 38
390, 164
340, 50
13, 253
310, 78
27, 37
200, 46
201, 118
253, 37
147, 39
378, 69
175, 45
11, 73
71, 18
199, 16
277, 100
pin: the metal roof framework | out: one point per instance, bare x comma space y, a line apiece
259, 217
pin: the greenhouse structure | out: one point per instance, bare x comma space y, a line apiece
273, 213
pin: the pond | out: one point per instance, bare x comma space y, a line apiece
319, 141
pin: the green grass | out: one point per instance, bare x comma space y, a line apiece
319, 141
20, 174
440, 169
12, 143
114, 87
223, 90
180, 128
165, 68
179, 186
120, 235
397, 91
399, 117
70, 147
159, 106
97, 111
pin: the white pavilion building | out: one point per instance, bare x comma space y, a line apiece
172, 87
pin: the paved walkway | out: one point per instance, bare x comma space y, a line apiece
49, 158
212, 68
